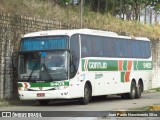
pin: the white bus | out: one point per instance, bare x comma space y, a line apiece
82, 63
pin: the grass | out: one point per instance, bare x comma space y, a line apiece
147, 108
16, 102
50, 10
4, 103
156, 89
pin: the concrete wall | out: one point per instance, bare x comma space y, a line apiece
12, 27
156, 63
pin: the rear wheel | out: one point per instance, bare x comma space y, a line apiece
139, 90
87, 95
44, 102
132, 93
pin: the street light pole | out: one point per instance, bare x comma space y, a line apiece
81, 14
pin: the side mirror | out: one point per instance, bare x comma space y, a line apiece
72, 69
71, 58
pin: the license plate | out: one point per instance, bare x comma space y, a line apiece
40, 94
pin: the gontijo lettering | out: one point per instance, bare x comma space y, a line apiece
97, 65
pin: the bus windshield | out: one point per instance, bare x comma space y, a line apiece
43, 66
44, 43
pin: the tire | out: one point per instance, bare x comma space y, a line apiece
123, 96
44, 102
138, 90
102, 97
132, 93
87, 95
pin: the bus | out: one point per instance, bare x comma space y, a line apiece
82, 63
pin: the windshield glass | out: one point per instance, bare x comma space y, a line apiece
43, 66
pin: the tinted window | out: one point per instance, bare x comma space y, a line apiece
74, 47
86, 46
97, 46
119, 49
108, 47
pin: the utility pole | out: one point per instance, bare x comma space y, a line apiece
81, 14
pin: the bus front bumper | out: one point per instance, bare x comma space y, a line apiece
38, 95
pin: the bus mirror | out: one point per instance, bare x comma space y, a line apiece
72, 68
72, 64
71, 58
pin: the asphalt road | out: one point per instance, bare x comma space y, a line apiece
112, 103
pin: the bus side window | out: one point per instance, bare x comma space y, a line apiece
108, 49
147, 49
75, 53
97, 45
119, 51
86, 46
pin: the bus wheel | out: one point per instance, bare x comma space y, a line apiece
132, 93
44, 102
139, 90
123, 96
87, 95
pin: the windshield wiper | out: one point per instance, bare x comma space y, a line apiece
34, 67
46, 70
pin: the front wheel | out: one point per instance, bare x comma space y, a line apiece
132, 93
44, 102
87, 95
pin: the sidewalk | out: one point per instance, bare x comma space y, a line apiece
6, 103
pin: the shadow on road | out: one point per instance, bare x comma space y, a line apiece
65, 102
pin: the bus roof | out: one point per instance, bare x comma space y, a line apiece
81, 31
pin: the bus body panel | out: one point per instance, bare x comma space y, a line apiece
107, 75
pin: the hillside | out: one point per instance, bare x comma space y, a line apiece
49, 10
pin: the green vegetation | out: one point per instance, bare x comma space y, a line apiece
147, 108
156, 89
53, 10
4, 103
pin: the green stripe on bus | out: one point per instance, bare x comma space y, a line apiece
112, 65
142, 65
122, 76
46, 84
135, 65
20, 85
100, 65
125, 65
